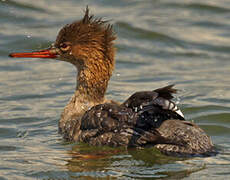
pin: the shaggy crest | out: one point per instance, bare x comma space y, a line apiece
90, 31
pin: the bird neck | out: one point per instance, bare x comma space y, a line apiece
92, 82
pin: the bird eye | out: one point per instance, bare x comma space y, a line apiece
64, 46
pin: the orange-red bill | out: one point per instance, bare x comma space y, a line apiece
37, 54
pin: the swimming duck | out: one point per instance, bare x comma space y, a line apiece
145, 118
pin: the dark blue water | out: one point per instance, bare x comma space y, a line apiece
159, 43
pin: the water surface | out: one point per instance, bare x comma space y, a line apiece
159, 43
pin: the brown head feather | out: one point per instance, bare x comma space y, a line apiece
94, 33
92, 52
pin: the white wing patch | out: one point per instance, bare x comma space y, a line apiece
180, 113
168, 105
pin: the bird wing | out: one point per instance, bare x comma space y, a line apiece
132, 123
157, 102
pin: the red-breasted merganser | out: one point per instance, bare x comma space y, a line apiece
145, 118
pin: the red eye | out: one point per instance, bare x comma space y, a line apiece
64, 45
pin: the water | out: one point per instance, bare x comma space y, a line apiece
159, 43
